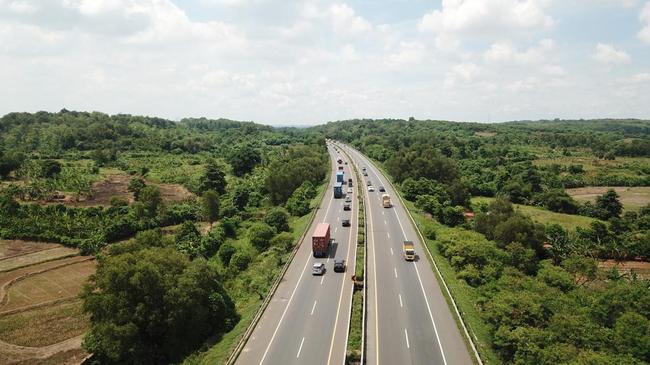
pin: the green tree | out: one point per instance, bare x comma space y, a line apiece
50, 168
244, 158
260, 235
211, 206
153, 306
151, 199
214, 178
188, 239
135, 186
225, 253
632, 335
298, 203
283, 240
610, 203
240, 261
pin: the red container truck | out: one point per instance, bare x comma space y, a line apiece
320, 241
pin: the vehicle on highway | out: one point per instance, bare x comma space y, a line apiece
348, 199
368, 183
339, 265
338, 190
385, 201
318, 268
340, 177
381, 188
340, 161
371, 188
341, 168
409, 251
345, 223
350, 190
346, 162
365, 173
320, 241
346, 207
350, 182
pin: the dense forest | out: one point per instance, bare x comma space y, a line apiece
205, 212
537, 293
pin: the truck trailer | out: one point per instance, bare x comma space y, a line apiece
385, 201
338, 190
409, 251
320, 241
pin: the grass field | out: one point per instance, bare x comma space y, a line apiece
541, 215
623, 166
632, 198
11, 248
44, 326
63, 282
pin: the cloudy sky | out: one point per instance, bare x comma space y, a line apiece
304, 62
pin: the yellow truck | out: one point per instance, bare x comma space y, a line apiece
385, 200
409, 251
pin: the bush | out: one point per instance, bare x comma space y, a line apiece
277, 218
284, 241
429, 232
240, 261
117, 201
452, 216
230, 225
225, 253
260, 235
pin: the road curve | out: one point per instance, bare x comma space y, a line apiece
307, 318
409, 321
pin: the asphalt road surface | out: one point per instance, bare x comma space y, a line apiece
307, 319
408, 321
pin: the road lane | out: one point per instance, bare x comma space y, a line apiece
308, 316
409, 297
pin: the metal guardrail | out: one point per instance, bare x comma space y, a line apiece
469, 338
251, 327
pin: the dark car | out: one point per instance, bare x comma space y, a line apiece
346, 207
345, 223
339, 265
381, 188
368, 183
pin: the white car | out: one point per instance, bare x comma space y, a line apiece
371, 188
348, 199
350, 190
318, 268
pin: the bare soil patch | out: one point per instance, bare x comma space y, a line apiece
116, 185
632, 198
60, 283
640, 268
485, 134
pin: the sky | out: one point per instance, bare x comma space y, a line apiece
305, 62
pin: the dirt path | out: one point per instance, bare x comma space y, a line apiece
21, 353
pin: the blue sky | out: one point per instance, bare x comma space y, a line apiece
310, 61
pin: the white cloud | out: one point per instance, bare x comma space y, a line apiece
345, 20
507, 53
608, 55
644, 16
487, 17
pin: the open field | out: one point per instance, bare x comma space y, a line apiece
60, 283
17, 261
41, 321
11, 248
541, 215
625, 166
632, 198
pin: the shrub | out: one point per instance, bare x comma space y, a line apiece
277, 218
260, 235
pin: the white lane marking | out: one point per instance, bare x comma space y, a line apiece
401, 304
275, 332
406, 333
300, 348
382, 213
336, 229
385, 222
338, 310
435, 329
321, 279
388, 234
395, 270
337, 218
391, 251
314, 307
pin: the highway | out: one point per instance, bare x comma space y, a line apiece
409, 321
307, 319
